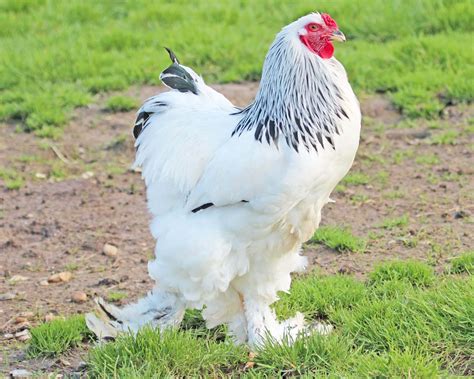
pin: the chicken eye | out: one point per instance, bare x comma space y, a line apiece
313, 27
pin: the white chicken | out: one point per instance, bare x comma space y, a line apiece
235, 192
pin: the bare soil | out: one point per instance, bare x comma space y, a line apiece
80, 194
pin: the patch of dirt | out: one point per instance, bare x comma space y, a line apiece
80, 194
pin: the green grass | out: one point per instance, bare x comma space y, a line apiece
430, 160
382, 177
356, 179
55, 55
397, 222
320, 296
58, 171
169, 354
340, 239
73, 266
463, 264
403, 322
11, 179
57, 336
392, 195
359, 198
448, 137
412, 272
400, 156
121, 104
116, 296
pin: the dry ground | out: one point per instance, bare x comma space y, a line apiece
79, 194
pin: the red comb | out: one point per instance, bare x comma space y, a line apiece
329, 21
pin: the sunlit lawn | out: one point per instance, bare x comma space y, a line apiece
54, 55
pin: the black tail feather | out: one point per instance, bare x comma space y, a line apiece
172, 55
177, 77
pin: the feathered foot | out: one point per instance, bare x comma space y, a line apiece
262, 324
158, 309
319, 328
296, 327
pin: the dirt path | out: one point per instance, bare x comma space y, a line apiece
80, 194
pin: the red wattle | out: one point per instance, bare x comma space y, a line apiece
327, 51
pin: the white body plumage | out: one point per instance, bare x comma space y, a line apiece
232, 257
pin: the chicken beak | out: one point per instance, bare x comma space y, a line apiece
337, 35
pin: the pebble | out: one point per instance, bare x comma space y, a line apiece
460, 214
79, 297
250, 362
23, 336
110, 250
8, 336
87, 175
249, 365
22, 326
40, 175
20, 319
20, 373
61, 277
44, 283
64, 362
107, 282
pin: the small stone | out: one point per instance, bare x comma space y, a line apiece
107, 282
249, 365
61, 277
79, 297
8, 336
44, 283
460, 214
422, 134
87, 175
23, 335
54, 278
65, 276
110, 250
40, 175
64, 362
7, 296
20, 373
20, 319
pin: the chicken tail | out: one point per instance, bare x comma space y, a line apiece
158, 309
